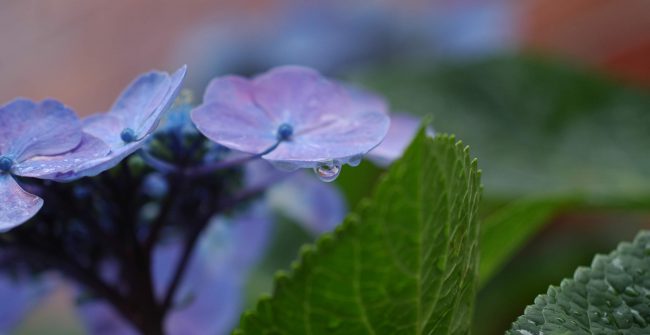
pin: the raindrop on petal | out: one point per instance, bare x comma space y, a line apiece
355, 160
328, 172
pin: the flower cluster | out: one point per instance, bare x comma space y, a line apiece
162, 241
47, 140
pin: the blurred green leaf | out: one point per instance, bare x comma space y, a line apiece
538, 127
610, 297
504, 232
406, 262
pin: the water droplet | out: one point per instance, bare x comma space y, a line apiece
355, 160
328, 172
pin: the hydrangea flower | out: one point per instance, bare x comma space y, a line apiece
292, 117
34, 141
131, 119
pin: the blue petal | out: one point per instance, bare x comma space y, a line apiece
16, 205
319, 207
142, 103
212, 290
19, 296
61, 167
100, 318
94, 167
403, 128
106, 127
28, 129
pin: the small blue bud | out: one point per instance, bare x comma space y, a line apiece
285, 131
5, 164
128, 135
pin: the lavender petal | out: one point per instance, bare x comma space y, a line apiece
19, 296
16, 205
319, 207
61, 167
141, 104
29, 129
403, 128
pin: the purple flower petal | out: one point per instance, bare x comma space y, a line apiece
60, 167
209, 300
28, 129
365, 99
16, 205
106, 127
19, 296
138, 110
403, 128
298, 95
318, 207
141, 104
100, 318
329, 124
94, 167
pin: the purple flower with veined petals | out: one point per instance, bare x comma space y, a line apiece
317, 122
34, 139
133, 117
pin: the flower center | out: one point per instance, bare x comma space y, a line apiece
128, 135
285, 131
5, 164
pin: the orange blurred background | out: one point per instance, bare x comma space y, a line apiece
84, 52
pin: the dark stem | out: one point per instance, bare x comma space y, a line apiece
185, 257
86, 277
190, 244
201, 170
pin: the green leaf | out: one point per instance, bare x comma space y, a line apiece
404, 263
538, 127
610, 297
504, 232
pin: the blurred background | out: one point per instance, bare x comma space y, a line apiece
551, 95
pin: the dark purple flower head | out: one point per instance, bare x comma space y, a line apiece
133, 117
34, 140
319, 123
